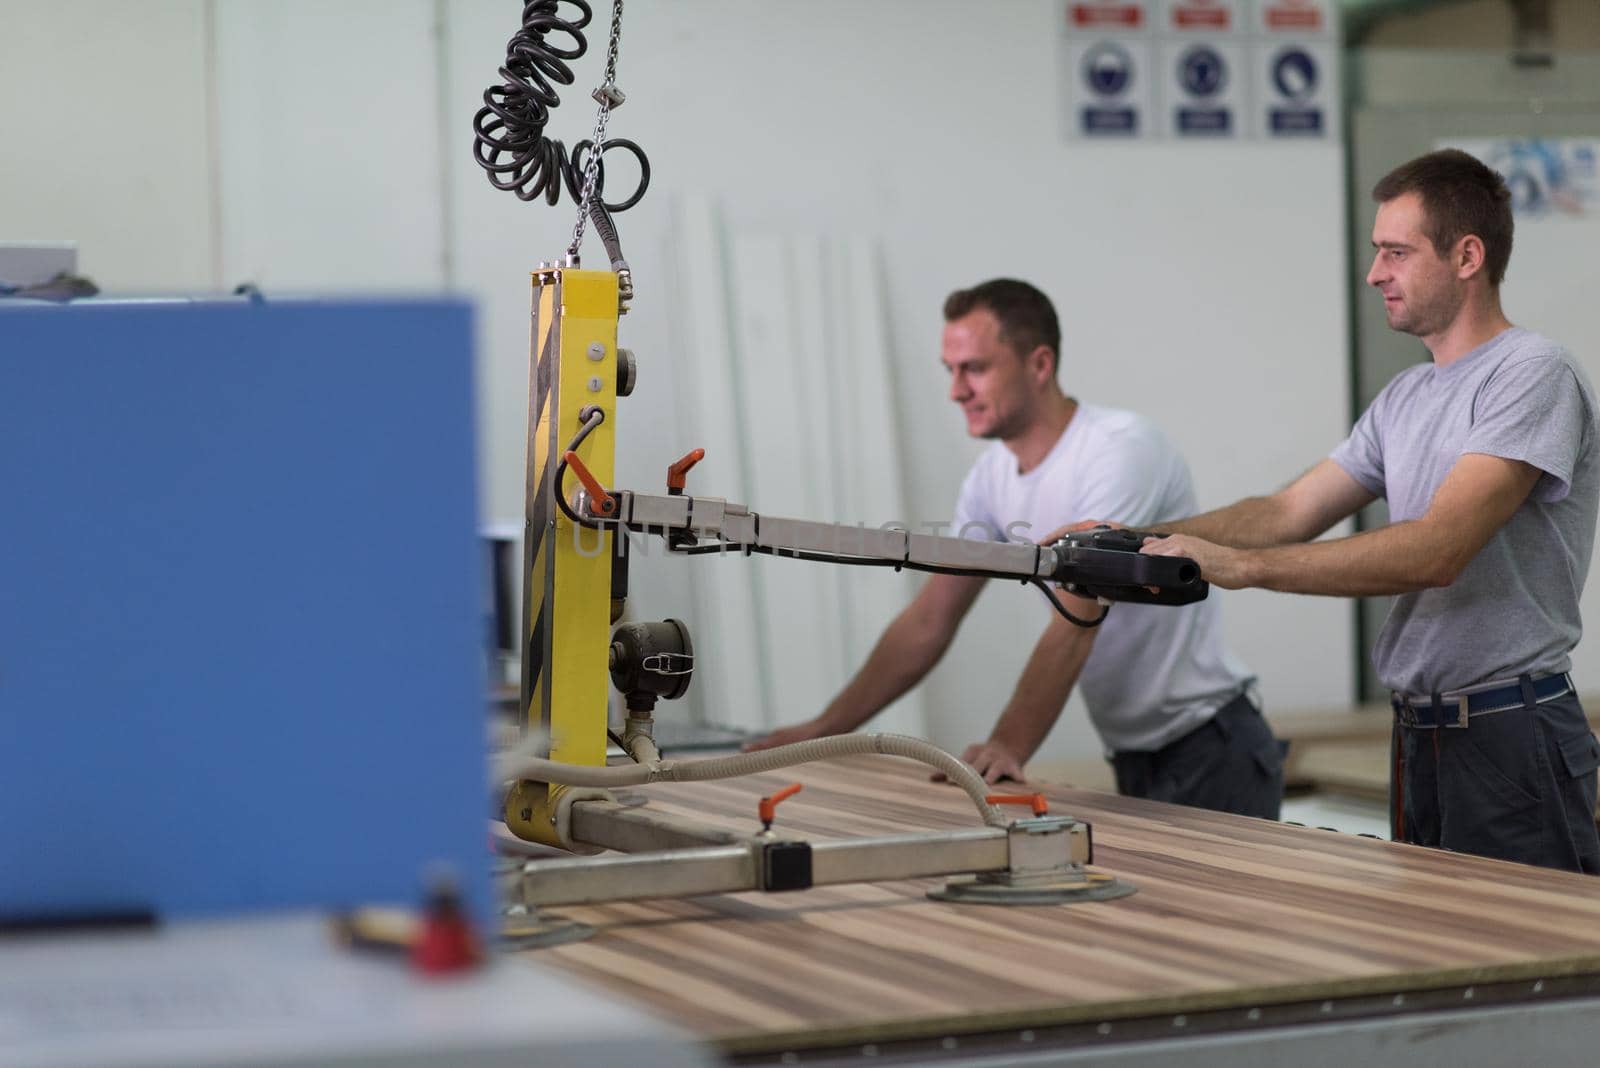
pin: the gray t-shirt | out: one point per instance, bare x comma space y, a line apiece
1514, 609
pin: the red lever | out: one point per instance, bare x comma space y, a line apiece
678, 473
1041, 806
768, 809
603, 502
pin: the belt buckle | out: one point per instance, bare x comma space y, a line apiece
1462, 712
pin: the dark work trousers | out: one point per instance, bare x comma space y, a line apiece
1230, 763
1517, 785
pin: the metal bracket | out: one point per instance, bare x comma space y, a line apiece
786, 866
1047, 847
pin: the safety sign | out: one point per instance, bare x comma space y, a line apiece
1204, 87
1197, 70
1298, 94
1112, 90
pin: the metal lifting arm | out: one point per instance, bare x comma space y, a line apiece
1102, 563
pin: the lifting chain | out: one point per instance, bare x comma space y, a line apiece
608, 96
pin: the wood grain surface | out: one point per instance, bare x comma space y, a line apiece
1229, 912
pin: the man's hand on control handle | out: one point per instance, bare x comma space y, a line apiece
1219, 565
1095, 524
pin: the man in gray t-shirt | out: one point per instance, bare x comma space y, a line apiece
1489, 458
1514, 608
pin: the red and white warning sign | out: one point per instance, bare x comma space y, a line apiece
1191, 16
1109, 15
1304, 18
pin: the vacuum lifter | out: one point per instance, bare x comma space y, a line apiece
575, 568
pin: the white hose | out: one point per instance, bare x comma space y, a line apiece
638, 742
523, 766
642, 748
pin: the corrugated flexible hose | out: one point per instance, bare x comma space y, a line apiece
540, 769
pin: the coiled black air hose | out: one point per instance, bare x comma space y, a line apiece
510, 143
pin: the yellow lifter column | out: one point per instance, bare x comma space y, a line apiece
566, 613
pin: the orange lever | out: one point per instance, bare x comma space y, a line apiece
1041, 807
768, 809
604, 503
678, 473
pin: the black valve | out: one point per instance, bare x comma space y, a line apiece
650, 661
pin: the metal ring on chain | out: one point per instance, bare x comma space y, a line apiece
579, 152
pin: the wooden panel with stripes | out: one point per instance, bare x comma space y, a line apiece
1230, 914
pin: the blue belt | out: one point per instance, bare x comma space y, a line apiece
1453, 710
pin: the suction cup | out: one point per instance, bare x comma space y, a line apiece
1001, 889
533, 930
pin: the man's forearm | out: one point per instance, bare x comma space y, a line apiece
1051, 672
1252, 523
1399, 558
1478, 497
1306, 508
904, 655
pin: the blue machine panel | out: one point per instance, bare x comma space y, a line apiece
240, 607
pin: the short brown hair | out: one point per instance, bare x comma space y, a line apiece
1460, 196
1027, 318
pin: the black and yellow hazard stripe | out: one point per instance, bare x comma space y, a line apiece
538, 528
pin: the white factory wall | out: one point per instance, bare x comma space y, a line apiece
103, 137
329, 145
1201, 284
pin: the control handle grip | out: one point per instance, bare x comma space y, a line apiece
1107, 563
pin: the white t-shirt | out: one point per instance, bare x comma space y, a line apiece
1156, 672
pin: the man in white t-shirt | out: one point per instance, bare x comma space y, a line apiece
1167, 699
